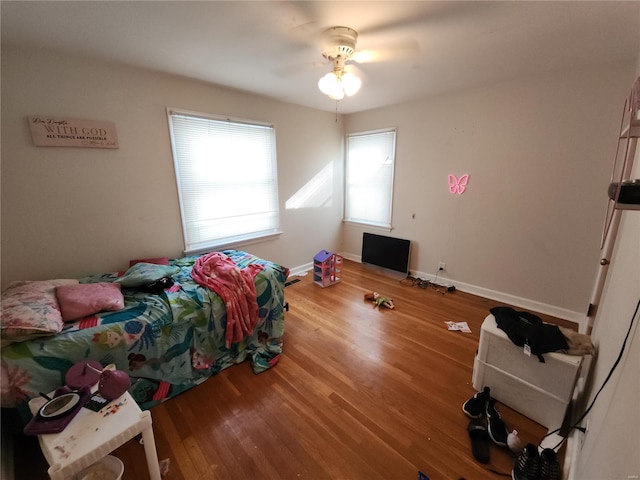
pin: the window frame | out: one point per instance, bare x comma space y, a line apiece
383, 224
192, 247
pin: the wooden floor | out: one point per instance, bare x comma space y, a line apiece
359, 393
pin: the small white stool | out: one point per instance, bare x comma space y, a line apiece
90, 436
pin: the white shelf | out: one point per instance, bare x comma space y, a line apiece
632, 129
91, 435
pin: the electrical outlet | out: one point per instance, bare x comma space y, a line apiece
442, 267
583, 437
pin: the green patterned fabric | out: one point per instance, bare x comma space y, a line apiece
167, 342
144, 273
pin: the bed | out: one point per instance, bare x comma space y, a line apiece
170, 336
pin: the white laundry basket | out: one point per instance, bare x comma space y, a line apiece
540, 391
109, 468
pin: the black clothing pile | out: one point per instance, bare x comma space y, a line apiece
524, 328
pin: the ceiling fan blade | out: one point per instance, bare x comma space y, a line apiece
421, 14
397, 51
304, 23
356, 71
298, 69
302, 31
308, 34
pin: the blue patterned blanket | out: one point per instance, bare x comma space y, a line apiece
167, 342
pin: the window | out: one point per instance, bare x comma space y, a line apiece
227, 179
369, 177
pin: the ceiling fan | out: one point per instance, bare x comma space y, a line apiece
339, 47
387, 33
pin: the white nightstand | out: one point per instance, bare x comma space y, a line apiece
90, 436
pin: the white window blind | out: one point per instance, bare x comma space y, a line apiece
369, 177
226, 171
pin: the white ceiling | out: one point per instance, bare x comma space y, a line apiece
272, 48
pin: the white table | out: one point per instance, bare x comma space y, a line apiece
90, 436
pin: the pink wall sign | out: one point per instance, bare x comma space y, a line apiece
49, 131
458, 185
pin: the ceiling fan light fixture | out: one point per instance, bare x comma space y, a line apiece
351, 84
338, 83
330, 85
340, 47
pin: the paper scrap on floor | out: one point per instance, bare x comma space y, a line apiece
458, 326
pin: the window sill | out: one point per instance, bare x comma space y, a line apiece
386, 228
233, 244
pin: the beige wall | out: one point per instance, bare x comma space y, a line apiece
527, 230
539, 155
67, 212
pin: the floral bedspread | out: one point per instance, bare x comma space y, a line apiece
167, 342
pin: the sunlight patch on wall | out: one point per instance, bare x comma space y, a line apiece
317, 192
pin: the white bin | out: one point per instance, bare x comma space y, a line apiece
109, 468
540, 391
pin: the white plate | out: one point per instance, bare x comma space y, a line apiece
60, 405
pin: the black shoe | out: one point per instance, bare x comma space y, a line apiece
497, 429
476, 406
527, 466
480, 441
549, 466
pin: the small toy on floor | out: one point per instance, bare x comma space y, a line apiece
513, 442
164, 466
379, 301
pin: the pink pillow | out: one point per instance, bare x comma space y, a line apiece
156, 261
77, 301
30, 310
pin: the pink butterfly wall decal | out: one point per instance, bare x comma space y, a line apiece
458, 185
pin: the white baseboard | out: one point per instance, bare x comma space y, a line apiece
350, 256
514, 300
520, 302
524, 303
300, 270
571, 455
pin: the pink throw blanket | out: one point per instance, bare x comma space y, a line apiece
235, 286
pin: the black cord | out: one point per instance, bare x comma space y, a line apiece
502, 474
499, 473
415, 282
424, 284
410, 281
576, 425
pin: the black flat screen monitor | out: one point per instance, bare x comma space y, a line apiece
386, 252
